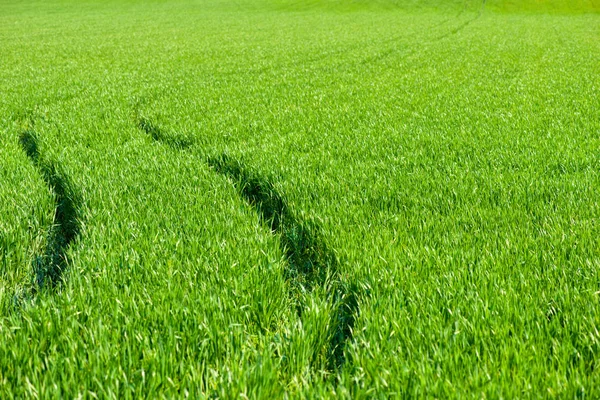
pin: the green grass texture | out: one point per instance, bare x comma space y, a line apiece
300, 199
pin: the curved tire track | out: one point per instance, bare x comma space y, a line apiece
310, 263
49, 266
178, 143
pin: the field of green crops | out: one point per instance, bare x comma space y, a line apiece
300, 199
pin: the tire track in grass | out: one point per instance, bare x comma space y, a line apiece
464, 24
310, 263
176, 142
388, 52
309, 260
49, 266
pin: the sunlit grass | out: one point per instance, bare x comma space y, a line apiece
313, 199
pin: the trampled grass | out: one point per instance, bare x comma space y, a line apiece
309, 199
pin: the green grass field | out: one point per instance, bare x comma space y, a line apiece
277, 198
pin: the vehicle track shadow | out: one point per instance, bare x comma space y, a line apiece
50, 266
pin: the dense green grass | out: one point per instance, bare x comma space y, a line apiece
313, 199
